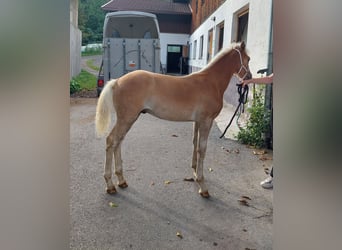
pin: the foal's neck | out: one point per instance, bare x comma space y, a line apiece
221, 72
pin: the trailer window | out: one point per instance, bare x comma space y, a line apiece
115, 34
147, 35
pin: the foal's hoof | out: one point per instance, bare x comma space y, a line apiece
111, 190
204, 194
123, 185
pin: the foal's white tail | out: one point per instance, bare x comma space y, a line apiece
104, 108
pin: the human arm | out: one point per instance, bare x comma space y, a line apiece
260, 80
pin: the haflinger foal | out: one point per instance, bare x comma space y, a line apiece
197, 97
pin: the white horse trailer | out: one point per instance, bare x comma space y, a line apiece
130, 42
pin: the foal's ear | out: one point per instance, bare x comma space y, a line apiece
243, 45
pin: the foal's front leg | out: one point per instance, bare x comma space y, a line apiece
195, 142
204, 129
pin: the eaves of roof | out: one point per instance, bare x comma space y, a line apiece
151, 6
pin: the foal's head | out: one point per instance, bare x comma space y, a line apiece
243, 69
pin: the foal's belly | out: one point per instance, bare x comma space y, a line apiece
171, 113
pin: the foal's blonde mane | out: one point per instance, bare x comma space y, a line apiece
221, 54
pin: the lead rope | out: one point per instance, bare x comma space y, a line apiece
243, 97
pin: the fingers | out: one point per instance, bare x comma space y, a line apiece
243, 82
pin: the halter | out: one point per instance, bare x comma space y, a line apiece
243, 94
242, 66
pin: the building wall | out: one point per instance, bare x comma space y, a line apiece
258, 36
75, 40
201, 9
170, 39
75, 51
174, 30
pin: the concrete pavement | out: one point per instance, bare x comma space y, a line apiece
158, 203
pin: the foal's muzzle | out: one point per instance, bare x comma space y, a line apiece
249, 75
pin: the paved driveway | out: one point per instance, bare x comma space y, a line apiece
96, 62
150, 213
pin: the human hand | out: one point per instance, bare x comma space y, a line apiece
244, 82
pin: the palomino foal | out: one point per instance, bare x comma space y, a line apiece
196, 97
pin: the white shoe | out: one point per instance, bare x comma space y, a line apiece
267, 183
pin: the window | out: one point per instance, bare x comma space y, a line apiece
201, 48
242, 29
210, 45
174, 48
219, 36
195, 48
190, 50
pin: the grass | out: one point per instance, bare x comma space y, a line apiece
90, 64
86, 80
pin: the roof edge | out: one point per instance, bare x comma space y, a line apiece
105, 7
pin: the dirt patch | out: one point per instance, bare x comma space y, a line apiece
85, 94
82, 101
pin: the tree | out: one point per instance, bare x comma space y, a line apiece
90, 20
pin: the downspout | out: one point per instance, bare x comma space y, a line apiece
269, 87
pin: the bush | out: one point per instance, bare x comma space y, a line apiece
258, 123
74, 86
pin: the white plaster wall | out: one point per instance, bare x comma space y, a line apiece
75, 50
169, 39
74, 12
75, 40
258, 31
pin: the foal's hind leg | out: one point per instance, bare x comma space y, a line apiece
108, 163
118, 167
114, 148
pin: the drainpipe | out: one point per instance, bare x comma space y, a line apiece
269, 87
